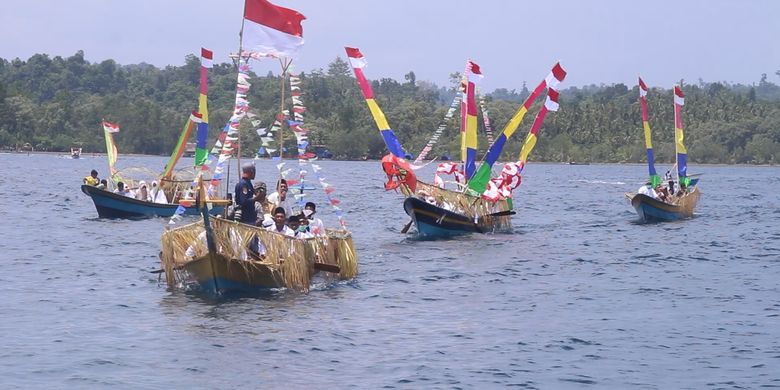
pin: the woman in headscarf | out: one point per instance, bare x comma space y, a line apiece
143, 192
157, 195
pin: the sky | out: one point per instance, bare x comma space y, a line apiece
597, 41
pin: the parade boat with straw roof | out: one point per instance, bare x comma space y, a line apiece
480, 203
677, 197
222, 257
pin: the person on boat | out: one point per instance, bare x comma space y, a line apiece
299, 231
316, 226
157, 195
245, 196
662, 193
279, 226
262, 206
92, 179
143, 192
647, 189
683, 189
279, 198
103, 184
122, 190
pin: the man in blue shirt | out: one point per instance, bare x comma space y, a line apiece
245, 194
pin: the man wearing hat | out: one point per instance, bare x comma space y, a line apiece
245, 196
262, 206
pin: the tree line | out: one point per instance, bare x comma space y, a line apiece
56, 103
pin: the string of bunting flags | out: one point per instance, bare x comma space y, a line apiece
439, 130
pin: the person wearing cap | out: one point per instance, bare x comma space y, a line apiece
92, 179
316, 226
299, 230
279, 226
245, 196
262, 206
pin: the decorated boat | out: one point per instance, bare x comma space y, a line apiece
479, 203
675, 198
222, 257
114, 205
167, 193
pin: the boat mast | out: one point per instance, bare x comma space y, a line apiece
285, 62
238, 65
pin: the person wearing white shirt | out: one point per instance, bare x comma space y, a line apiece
300, 231
157, 194
279, 225
647, 189
280, 199
122, 190
316, 227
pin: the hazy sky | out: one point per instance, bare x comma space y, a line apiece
513, 41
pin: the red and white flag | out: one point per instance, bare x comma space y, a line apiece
642, 88
356, 58
272, 30
473, 73
555, 77
679, 98
551, 104
110, 127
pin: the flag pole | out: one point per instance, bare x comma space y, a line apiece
238, 65
285, 63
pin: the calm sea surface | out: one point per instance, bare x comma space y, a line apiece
580, 296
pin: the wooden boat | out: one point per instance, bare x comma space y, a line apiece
481, 205
226, 264
434, 221
111, 205
650, 209
681, 206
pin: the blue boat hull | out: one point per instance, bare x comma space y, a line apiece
111, 205
434, 222
653, 210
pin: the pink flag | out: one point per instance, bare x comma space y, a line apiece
272, 30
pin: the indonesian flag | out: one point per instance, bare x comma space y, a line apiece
555, 77
110, 127
679, 98
642, 88
473, 72
272, 30
206, 58
356, 58
551, 104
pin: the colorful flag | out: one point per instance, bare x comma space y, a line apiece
469, 135
201, 153
111, 152
654, 178
391, 141
679, 137
479, 182
550, 104
272, 30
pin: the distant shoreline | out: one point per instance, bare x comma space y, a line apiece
85, 154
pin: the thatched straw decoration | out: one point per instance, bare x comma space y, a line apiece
291, 259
